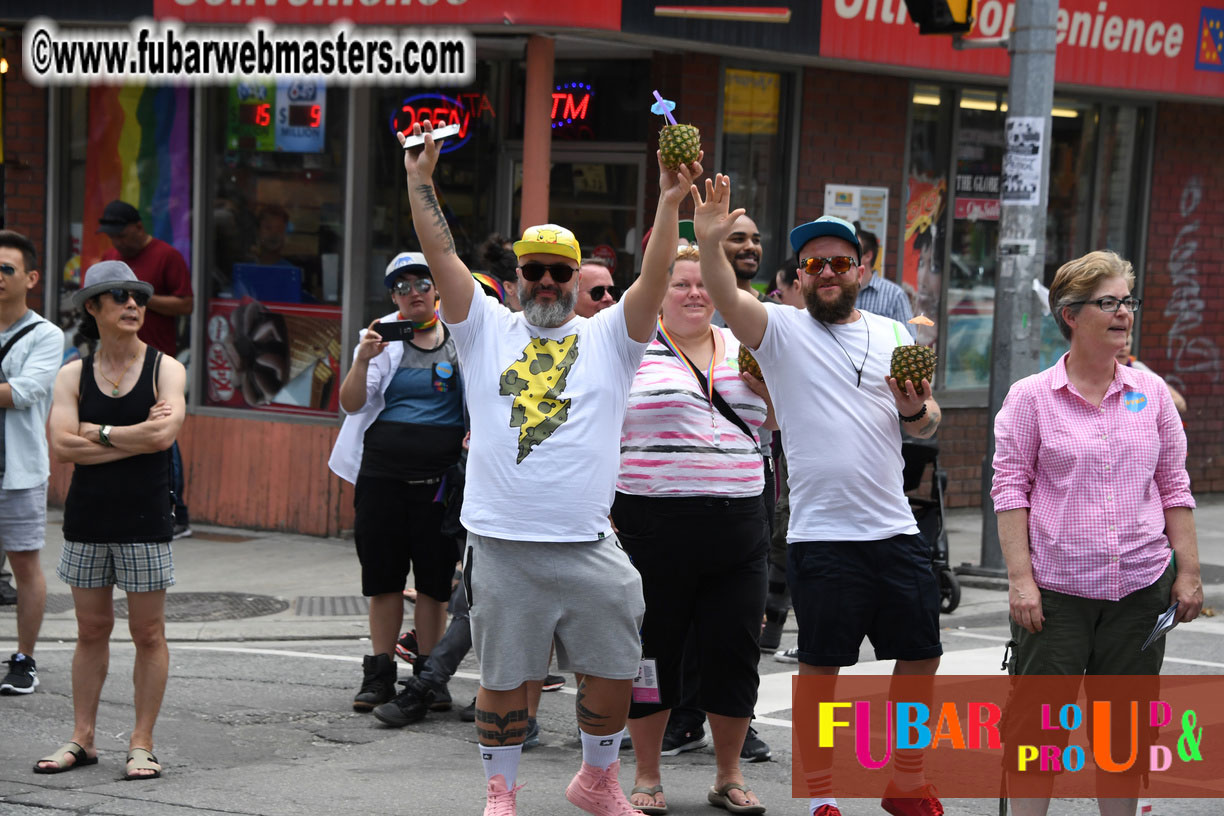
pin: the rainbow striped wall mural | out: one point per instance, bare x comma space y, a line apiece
139, 151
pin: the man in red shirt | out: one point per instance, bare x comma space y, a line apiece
157, 263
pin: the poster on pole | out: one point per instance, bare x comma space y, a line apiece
1022, 161
866, 205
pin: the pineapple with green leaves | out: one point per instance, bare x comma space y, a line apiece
748, 363
678, 145
913, 363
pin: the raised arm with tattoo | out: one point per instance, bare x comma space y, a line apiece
450, 275
712, 223
645, 296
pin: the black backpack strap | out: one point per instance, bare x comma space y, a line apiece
13, 340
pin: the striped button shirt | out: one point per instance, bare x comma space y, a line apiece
1096, 480
674, 444
883, 297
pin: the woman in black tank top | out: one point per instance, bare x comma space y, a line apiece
115, 415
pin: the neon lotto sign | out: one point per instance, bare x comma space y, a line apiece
462, 110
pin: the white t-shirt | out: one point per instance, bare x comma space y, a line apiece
842, 442
546, 410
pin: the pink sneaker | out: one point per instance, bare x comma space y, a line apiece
922, 801
599, 793
500, 800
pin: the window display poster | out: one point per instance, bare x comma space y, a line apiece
278, 357
866, 205
301, 110
1022, 161
750, 101
249, 123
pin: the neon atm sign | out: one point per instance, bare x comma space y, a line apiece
571, 103
440, 109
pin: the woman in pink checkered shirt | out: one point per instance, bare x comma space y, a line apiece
1093, 498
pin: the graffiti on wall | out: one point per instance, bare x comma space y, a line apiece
1189, 351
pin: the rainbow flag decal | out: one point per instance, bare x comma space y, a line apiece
140, 152
1210, 54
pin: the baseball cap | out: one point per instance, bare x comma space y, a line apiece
825, 225
413, 262
550, 239
117, 215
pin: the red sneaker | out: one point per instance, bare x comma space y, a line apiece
827, 810
406, 647
922, 801
499, 800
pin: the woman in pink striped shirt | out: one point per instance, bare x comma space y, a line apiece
1093, 498
689, 512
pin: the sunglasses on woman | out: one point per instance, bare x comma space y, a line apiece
840, 264
120, 296
598, 292
534, 271
405, 287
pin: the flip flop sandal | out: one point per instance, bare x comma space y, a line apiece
140, 759
649, 810
719, 798
75, 750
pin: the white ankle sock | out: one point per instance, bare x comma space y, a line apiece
819, 802
601, 752
501, 759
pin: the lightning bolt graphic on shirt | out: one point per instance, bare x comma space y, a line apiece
536, 381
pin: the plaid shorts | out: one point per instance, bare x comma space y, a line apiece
131, 567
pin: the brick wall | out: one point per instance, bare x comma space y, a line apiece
1182, 329
25, 159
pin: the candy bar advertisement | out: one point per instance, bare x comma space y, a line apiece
280, 356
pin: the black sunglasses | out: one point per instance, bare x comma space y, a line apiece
8, 269
120, 296
840, 264
598, 292
534, 271
405, 287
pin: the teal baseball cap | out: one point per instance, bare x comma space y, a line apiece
825, 225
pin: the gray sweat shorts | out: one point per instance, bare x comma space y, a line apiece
23, 517
525, 596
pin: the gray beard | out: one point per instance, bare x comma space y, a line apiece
546, 317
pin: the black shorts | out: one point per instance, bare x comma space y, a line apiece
883, 590
397, 529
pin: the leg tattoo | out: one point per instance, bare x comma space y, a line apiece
494, 729
587, 718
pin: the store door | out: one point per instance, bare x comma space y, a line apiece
598, 195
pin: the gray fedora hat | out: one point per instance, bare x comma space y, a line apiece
108, 275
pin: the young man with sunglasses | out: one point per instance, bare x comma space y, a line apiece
544, 387
856, 565
596, 291
161, 266
30, 353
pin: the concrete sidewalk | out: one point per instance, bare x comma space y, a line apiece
249, 585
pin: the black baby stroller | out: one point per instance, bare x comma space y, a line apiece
929, 512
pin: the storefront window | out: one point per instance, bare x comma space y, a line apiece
755, 153
592, 100
926, 194
465, 178
121, 142
274, 281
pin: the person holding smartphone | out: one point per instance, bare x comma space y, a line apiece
403, 430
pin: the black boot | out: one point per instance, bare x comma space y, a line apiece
377, 684
441, 699
409, 706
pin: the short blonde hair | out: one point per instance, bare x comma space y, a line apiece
684, 253
1075, 281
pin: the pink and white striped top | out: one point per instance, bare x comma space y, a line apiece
670, 445
1096, 480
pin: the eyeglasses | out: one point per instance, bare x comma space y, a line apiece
598, 292
534, 271
1111, 304
120, 296
405, 287
840, 264
8, 269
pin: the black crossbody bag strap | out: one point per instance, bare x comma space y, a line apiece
719, 403
13, 340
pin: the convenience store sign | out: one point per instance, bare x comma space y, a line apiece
1121, 44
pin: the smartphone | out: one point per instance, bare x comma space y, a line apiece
397, 330
438, 134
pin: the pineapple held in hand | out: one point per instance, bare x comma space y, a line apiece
913, 363
748, 363
678, 144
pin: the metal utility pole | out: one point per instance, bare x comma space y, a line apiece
1022, 226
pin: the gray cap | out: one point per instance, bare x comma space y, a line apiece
108, 275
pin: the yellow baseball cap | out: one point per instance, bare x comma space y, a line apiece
550, 239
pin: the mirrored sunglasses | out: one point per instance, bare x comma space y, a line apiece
405, 287
840, 264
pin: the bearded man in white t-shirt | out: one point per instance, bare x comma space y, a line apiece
542, 565
856, 564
